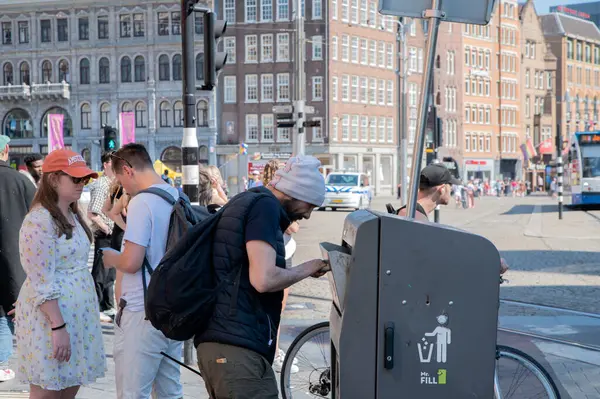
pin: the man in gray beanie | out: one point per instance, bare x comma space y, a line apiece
236, 350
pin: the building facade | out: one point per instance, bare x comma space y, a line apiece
350, 82
91, 62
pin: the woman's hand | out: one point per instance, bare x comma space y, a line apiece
12, 312
61, 345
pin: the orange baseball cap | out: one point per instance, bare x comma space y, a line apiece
68, 162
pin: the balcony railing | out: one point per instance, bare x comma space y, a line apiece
14, 92
51, 90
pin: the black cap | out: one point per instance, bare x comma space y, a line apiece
437, 174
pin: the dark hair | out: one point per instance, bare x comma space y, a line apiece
106, 157
166, 172
31, 158
204, 188
133, 155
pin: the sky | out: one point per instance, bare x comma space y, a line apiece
543, 6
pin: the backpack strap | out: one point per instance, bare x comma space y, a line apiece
161, 193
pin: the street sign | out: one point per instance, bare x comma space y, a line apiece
308, 109
283, 109
463, 11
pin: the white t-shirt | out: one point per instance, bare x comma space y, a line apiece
147, 225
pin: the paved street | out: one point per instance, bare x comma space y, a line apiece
552, 262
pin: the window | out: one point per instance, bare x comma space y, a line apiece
230, 49
266, 86
283, 87
334, 88
86, 116
177, 67
104, 114
7, 74
345, 87
317, 12
317, 47
354, 128
251, 127
229, 93
178, 114
268, 131
364, 16
549, 79
6, 32
24, 73
317, 88
138, 25
373, 91
354, 11
373, 53
103, 70
84, 28
354, 89
381, 55
364, 128
46, 72
165, 111
364, 51
140, 114
202, 112
252, 88
467, 142
164, 68
381, 96
334, 9
334, 47
381, 137
373, 129
345, 48
139, 69
354, 50
125, 25
345, 128
250, 10
487, 116
390, 130
372, 13
283, 47
103, 27
412, 59
45, 30
390, 93
200, 67
176, 25
412, 94
266, 54
364, 88
390, 56
63, 71
266, 10
126, 69
23, 32
163, 24
282, 9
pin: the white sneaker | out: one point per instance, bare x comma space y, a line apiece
6, 375
278, 363
105, 319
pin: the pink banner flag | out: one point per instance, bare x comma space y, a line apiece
127, 124
55, 132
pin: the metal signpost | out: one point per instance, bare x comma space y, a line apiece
461, 11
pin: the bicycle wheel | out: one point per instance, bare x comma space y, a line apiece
312, 349
511, 378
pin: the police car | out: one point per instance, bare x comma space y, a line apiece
347, 190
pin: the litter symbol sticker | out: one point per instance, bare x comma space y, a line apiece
442, 337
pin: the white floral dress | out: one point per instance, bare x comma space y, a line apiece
57, 269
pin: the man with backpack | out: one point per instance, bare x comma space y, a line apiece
139, 366
236, 345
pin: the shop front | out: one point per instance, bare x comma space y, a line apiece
477, 168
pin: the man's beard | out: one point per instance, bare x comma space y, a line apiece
293, 216
35, 175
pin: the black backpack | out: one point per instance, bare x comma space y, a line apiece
183, 290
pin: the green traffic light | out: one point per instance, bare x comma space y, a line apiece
111, 144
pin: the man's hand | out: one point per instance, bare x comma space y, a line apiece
12, 312
109, 258
322, 267
503, 266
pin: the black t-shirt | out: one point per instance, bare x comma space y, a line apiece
419, 209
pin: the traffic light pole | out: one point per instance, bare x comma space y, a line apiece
299, 142
189, 146
559, 170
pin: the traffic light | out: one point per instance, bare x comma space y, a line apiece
438, 133
110, 139
214, 61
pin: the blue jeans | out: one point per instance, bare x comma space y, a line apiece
7, 329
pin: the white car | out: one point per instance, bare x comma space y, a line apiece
347, 190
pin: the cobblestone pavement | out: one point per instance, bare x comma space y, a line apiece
552, 262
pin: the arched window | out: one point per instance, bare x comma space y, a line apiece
17, 124
140, 69
140, 114
7, 74
200, 66
46, 72
67, 123
24, 73
84, 71
125, 69
177, 69
126, 107
86, 116
104, 114
203, 155
163, 68
202, 112
63, 71
178, 114
104, 70
171, 158
165, 110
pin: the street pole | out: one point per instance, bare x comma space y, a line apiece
402, 86
437, 135
189, 147
434, 15
299, 141
559, 170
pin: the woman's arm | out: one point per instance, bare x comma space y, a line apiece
116, 213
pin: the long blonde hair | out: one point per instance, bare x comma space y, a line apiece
269, 172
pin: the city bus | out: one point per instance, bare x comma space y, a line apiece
582, 170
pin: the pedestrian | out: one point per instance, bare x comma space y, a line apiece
33, 163
59, 337
140, 368
102, 227
166, 178
255, 181
16, 194
218, 193
237, 348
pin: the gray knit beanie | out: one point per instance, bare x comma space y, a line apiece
301, 179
